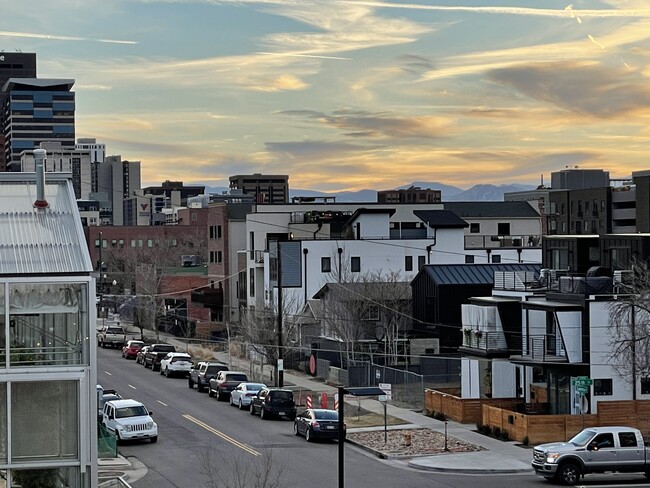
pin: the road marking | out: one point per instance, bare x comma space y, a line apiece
162, 403
225, 437
131, 386
109, 374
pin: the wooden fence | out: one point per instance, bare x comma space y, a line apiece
552, 428
463, 410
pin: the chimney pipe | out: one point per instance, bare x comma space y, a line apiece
39, 160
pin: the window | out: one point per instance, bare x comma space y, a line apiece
325, 265
604, 441
219, 256
645, 385
496, 258
503, 228
218, 232
475, 228
421, 262
627, 439
355, 264
408, 263
195, 217
251, 277
469, 259
371, 312
602, 387
149, 242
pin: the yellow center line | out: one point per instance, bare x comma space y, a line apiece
225, 437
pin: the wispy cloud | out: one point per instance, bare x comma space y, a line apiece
53, 37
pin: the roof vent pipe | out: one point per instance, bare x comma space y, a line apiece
39, 160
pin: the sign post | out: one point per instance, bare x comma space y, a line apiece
387, 388
582, 385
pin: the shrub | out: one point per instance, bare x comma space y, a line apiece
504, 436
480, 428
496, 432
526, 441
440, 416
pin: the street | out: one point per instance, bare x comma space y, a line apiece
197, 432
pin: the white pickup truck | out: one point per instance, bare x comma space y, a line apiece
111, 335
594, 450
129, 419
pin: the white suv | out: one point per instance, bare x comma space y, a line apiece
176, 363
129, 419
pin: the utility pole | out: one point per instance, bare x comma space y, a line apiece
280, 365
101, 275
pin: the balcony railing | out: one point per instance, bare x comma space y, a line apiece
485, 341
545, 348
497, 241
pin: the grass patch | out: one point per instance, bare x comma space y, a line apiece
355, 418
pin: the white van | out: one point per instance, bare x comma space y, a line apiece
129, 419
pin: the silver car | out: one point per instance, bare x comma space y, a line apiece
242, 394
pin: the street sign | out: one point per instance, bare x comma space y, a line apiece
280, 365
582, 390
582, 382
388, 389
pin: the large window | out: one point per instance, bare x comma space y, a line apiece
48, 324
44, 420
355, 264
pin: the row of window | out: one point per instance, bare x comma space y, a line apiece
215, 232
216, 256
603, 387
503, 228
119, 243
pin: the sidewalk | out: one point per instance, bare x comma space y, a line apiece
497, 457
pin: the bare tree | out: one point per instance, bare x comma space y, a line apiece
260, 330
367, 306
630, 326
241, 471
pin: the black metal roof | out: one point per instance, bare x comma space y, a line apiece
491, 209
471, 274
440, 219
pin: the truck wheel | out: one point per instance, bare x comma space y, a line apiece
569, 474
252, 409
211, 393
262, 416
154, 439
190, 383
200, 388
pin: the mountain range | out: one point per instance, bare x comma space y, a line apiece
477, 193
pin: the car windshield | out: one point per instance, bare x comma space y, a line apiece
282, 395
165, 349
236, 377
215, 368
177, 359
326, 415
114, 330
135, 411
135, 345
582, 438
254, 387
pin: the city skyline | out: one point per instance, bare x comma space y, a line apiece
351, 94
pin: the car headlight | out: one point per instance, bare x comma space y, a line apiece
149, 425
551, 457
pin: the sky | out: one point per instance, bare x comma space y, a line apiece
344, 95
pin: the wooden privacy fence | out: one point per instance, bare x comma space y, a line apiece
552, 428
463, 410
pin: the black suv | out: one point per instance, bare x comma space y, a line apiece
273, 401
203, 372
154, 355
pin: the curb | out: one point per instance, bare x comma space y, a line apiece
468, 470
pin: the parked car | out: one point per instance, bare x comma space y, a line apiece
103, 396
594, 450
129, 419
154, 355
273, 401
202, 372
131, 348
318, 423
225, 382
139, 358
111, 335
241, 396
175, 364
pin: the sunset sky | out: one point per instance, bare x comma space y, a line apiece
351, 94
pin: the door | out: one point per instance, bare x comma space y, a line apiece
631, 454
601, 451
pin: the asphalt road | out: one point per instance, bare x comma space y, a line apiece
197, 434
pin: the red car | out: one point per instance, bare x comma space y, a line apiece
131, 349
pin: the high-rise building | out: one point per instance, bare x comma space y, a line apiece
119, 179
266, 188
34, 111
12, 65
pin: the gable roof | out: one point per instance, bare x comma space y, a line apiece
40, 241
358, 290
492, 209
470, 274
440, 219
